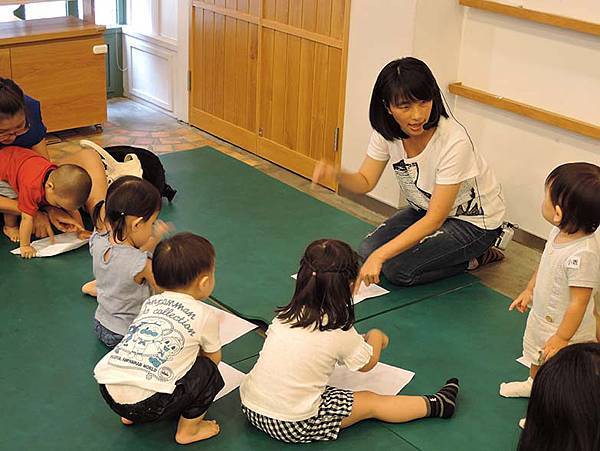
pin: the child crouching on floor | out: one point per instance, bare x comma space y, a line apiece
286, 394
166, 365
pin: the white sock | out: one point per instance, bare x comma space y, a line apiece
519, 389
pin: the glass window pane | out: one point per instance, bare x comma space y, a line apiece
6, 13
106, 12
46, 9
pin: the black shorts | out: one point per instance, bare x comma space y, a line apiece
193, 395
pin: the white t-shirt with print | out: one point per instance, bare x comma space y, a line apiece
161, 345
294, 366
448, 158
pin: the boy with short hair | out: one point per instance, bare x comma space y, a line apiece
166, 364
39, 182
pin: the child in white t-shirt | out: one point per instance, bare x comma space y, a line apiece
166, 364
286, 393
559, 292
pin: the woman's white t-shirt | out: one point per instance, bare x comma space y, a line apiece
294, 366
448, 158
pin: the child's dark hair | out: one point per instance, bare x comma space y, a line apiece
127, 196
12, 100
178, 260
563, 411
575, 188
323, 295
403, 80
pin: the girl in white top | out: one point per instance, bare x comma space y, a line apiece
455, 208
569, 272
286, 394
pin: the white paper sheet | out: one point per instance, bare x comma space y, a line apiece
63, 242
364, 292
523, 361
382, 379
232, 377
231, 327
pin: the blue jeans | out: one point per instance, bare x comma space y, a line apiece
106, 336
443, 254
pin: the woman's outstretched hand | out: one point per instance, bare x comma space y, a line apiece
323, 172
369, 272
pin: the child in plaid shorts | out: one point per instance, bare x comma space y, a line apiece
286, 394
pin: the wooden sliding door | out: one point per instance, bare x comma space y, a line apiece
269, 75
224, 55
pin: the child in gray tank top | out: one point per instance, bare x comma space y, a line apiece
121, 255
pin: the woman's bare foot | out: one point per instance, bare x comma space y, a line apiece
12, 233
190, 431
89, 288
126, 422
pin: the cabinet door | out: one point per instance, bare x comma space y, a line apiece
223, 62
66, 77
302, 81
5, 70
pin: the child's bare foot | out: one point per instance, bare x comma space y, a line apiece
126, 422
89, 288
12, 233
190, 431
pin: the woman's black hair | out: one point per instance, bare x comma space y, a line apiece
323, 295
575, 188
563, 412
127, 196
12, 99
403, 80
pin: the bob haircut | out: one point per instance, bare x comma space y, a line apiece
323, 295
575, 188
563, 411
403, 80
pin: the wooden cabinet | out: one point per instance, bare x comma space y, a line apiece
53, 60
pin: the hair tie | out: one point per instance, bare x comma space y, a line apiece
122, 213
314, 273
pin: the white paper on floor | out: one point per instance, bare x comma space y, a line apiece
364, 292
63, 242
382, 379
523, 361
232, 377
231, 327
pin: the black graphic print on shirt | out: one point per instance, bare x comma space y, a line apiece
467, 200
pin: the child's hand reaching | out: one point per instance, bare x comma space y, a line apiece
377, 336
554, 344
523, 301
161, 228
27, 251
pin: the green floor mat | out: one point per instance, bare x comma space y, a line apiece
260, 228
50, 398
468, 334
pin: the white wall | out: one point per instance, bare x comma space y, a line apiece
380, 31
555, 69
542, 65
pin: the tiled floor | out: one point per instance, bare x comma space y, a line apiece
134, 124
